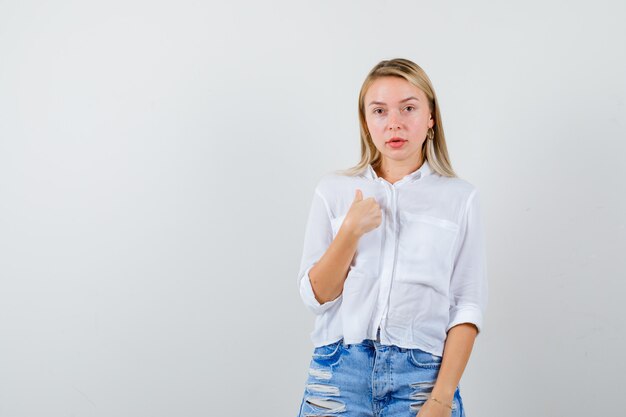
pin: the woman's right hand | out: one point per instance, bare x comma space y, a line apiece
364, 215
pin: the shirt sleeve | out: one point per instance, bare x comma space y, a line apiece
468, 284
317, 237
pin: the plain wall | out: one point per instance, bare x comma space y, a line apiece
158, 160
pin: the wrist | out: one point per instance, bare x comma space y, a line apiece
349, 230
447, 404
444, 395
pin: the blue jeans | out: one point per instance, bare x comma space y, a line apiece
371, 380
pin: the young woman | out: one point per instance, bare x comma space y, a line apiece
393, 264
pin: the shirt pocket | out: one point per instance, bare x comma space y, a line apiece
367, 259
425, 249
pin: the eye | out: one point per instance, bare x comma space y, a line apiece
375, 111
410, 107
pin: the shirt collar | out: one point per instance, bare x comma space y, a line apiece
421, 172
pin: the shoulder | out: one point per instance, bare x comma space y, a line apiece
454, 186
331, 182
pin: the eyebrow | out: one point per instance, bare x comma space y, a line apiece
401, 101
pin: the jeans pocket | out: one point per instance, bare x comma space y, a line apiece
328, 354
458, 405
423, 359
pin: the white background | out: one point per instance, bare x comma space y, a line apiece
158, 159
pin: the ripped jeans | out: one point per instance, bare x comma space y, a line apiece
371, 380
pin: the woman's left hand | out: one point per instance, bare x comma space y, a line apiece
433, 409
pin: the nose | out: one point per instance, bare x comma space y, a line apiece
393, 122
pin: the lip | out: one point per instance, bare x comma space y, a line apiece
395, 138
397, 144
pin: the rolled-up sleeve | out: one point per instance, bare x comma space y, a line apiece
468, 284
317, 237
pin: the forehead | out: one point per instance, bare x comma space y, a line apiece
392, 89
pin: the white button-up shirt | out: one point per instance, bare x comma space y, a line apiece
419, 273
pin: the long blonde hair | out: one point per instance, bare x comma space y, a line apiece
434, 151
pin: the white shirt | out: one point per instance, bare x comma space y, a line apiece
420, 272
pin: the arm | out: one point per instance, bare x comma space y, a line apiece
325, 261
329, 273
459, 344
468, 300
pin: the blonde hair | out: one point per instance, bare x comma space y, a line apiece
434, 151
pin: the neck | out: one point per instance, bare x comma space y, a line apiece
393, 171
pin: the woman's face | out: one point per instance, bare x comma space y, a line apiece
395, 108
